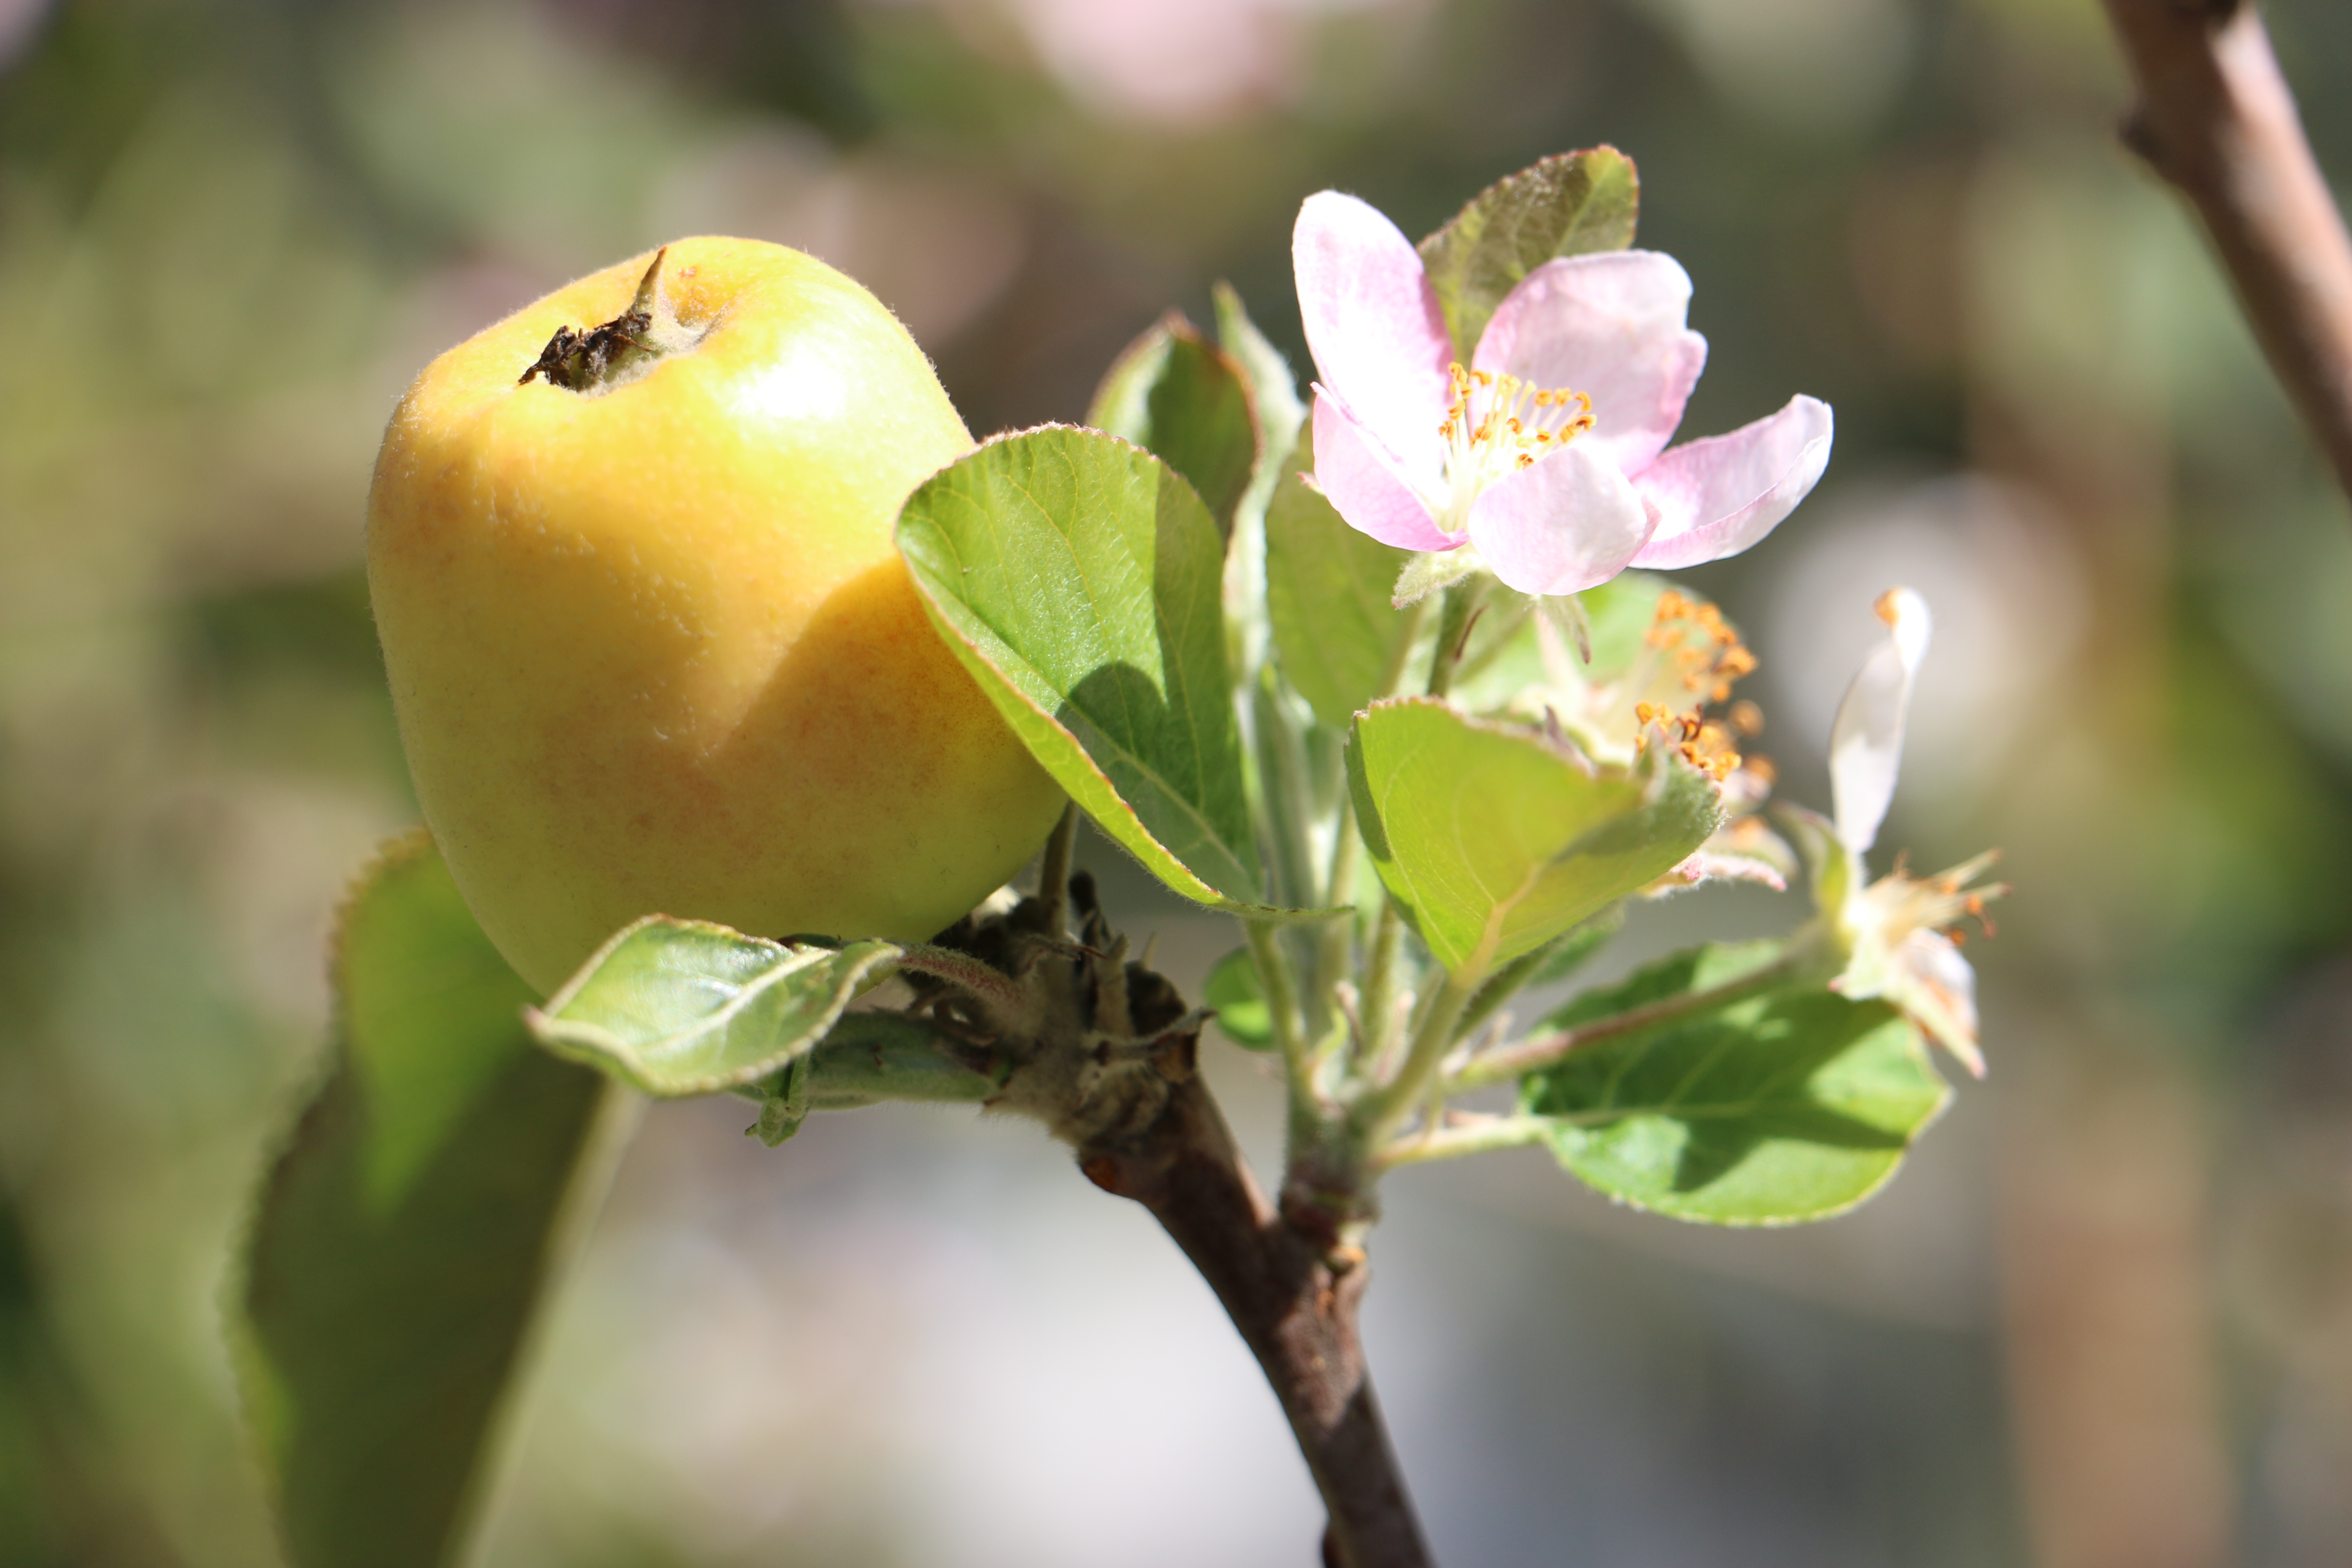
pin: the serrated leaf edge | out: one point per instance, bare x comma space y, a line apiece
1651, 779
971, 653
600, 1048
1915, 1046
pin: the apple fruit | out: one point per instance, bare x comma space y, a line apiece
651, 647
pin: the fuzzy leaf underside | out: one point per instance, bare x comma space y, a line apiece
1570, 203
1786, 1105
681, 1007
1494, 841
408, 1231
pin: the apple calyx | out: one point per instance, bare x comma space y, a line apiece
620, 349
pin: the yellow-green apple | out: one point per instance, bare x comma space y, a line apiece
650, 644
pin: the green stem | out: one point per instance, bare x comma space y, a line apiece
1479, 1137
1453, 626
1282, 1007
1282, 784
1498, 641
1378, 1000
1376, 1004
1053, 870
1401, 656
1390, 1104
1334, 946
1508, 1062
1335, 943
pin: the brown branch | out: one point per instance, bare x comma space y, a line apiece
2215, 118
1102, 1052
1296, 1314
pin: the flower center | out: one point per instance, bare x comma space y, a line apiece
1691, 656
1498, 425
1904, 903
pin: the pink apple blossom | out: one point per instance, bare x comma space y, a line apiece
1548, 451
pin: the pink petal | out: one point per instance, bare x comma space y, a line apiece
1706, 866
1569, 522
1609, 326
1716, 496
1360, 479
1372, 321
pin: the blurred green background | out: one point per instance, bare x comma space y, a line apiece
2104, 1319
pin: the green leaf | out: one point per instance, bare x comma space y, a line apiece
1494, 839
1565, 205
1327, 593
1546, 965
1571, 953
872, 1057
1078, 579
1273, 393
678, 1007
408, 1231
1785, 1105
1233, 989
1177, 395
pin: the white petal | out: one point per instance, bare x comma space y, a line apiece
1938, 990
1372, 321
1610, 325
1866, 743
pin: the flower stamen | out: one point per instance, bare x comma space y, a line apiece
1704, 656
1498, 425
1937, 903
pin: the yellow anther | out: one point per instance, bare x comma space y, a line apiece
1698, 653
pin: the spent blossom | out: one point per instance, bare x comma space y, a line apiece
1898, 932
1547, 452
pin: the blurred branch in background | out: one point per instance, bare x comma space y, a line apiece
2215, 118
